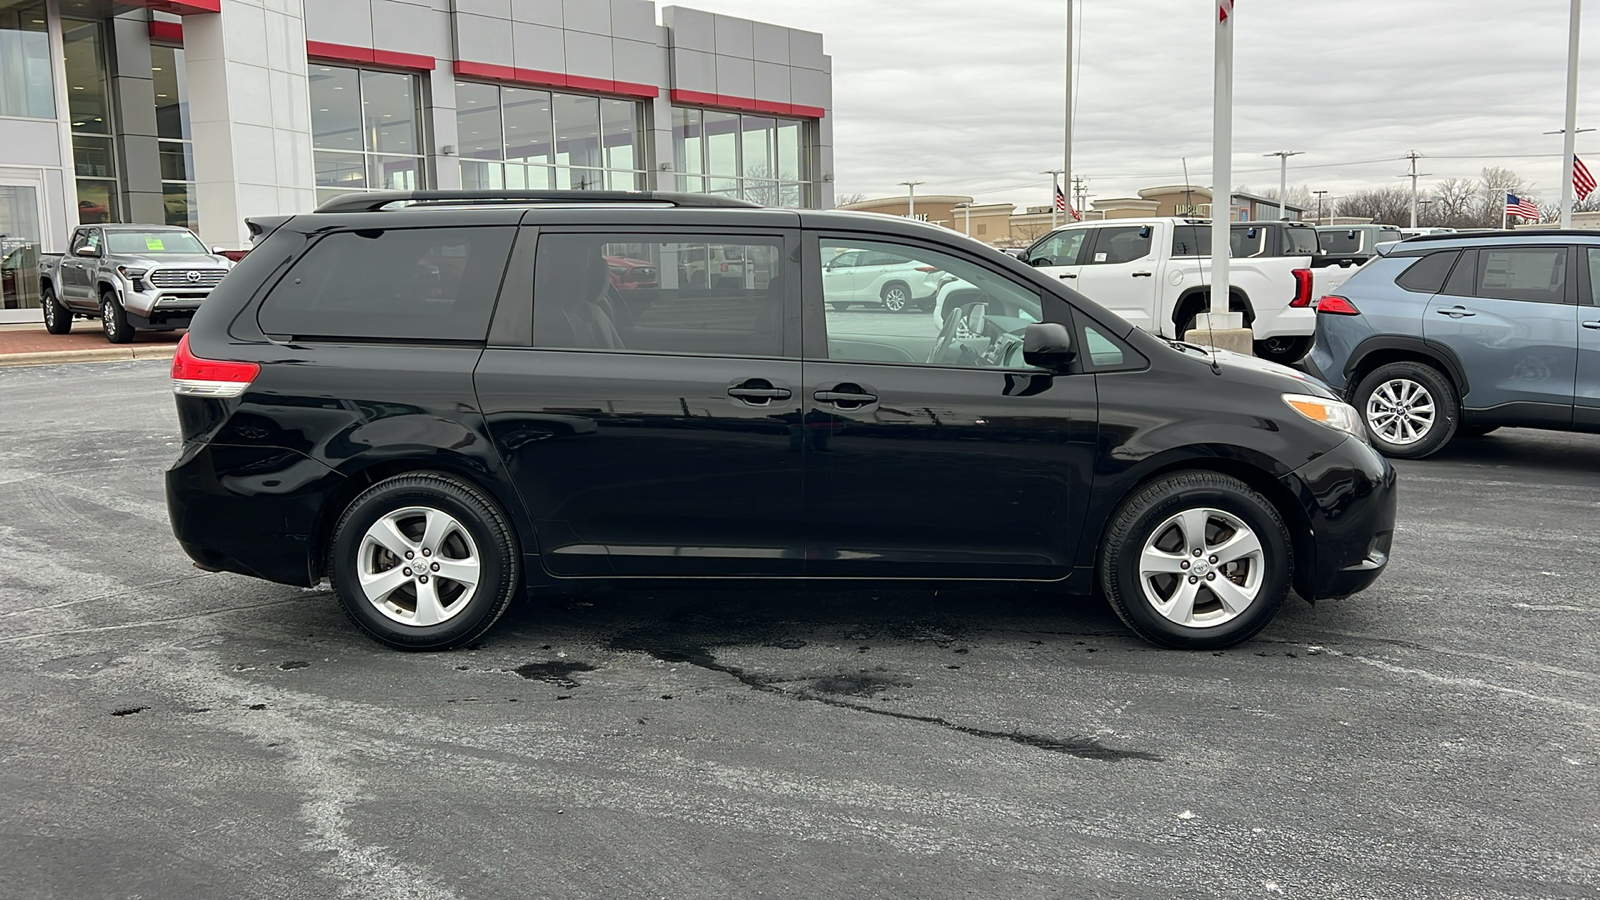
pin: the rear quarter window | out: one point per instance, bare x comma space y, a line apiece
434, 284
1427, 275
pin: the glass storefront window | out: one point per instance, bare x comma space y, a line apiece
26, 87
365, 131
757, 158
525, 138
88, 92
176, 147
97, 202
19, 247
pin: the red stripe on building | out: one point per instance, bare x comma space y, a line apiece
179, 7
536, 78
747, 104
368, 56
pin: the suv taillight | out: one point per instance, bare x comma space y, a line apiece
1302, 289
196, 377
1337, 305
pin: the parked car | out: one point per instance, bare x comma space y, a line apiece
879, 278
130, 277
437, 449
632, 274
1358, 242
1459, 334
1156, 274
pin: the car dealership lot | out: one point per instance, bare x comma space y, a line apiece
173, 733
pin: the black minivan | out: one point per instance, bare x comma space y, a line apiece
441, 400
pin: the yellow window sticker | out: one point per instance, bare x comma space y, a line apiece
154, 243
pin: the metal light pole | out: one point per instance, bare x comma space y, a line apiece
1222, 166
1319, 205
911, 198
1414, 175
1283, 176
1568, 147
1054, 186
1066, 158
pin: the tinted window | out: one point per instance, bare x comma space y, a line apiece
420, 283
1339, 242
1103, 352
1247, 242
1537, 274
1426, 275
1121, 245
702, 298
1191, 240
1299, 241
1059, 249
1593, 255
983, 315
1463, 275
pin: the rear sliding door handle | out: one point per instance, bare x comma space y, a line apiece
1456, 312
853, 399
758, 392
1595, 325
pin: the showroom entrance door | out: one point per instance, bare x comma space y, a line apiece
21, 238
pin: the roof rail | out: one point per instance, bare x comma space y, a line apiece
376, 200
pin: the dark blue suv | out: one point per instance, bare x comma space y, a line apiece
1459, 334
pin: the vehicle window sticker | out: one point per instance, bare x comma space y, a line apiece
1099, 257
154, 243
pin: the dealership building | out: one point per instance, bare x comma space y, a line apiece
204, 112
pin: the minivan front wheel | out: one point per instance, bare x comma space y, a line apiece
1196, 561
1409, 408
424, 562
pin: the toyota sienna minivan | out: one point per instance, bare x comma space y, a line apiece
441, 402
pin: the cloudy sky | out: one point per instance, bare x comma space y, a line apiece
967, 97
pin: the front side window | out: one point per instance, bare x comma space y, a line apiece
365, 131
405, 283
529, 139
1537, 274
1122, 244
875, 312
697, 295
1059, 249
26, 87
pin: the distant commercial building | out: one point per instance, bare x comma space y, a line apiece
203, 112
1002, 225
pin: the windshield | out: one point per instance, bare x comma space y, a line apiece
144, 243
1299, 241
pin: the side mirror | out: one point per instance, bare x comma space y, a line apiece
1047, 345
90, 252
1038, 261
218, 251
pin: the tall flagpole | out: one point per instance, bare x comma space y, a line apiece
1570, 135
1222, 166
1066, 160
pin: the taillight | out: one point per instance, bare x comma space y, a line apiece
1302, 289
196, 377
1337, 305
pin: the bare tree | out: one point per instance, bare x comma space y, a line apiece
847, 199
1497, 183
1387, 206
1029, 232
1455, 203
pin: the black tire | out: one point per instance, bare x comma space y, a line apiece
1283, 350
113, 320
1475, 431
499, 558
1388, 438
896, 296
1150, 508
57, 318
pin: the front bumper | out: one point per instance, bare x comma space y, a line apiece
1349, 496
251, 510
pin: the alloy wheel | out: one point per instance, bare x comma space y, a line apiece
108, 317
894, 299
418, 566
1401, 411
1201, 568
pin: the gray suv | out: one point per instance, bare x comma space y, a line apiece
1454, 334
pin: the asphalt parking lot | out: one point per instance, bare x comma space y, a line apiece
170, 733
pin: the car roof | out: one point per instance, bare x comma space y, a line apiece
1521, 235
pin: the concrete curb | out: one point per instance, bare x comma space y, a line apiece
52, 357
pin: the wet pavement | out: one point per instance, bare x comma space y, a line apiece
170, 733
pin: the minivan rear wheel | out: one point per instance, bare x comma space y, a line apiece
1409, 408
424, 562
1196, 561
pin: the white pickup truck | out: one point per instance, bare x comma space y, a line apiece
1156, 273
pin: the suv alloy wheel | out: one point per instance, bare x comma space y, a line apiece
1409, 409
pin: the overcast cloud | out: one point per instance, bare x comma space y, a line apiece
966, 96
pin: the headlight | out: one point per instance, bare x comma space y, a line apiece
1332, 413
134, 277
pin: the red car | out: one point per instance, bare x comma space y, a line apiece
631, 274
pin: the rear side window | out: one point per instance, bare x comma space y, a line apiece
1299, 241
1465, 275
701, 298
1191, 240
1121, 245
1536, 274
1340, 242
1427, 275
1247, 242
404, 283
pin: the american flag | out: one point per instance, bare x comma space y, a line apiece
1582, 181
1516, 206
1061, 200
1224, 9
1076, 216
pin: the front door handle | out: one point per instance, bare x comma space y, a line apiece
1068, 275
846, 396
1143, 274
1595, 325
758, 392
1457, 312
